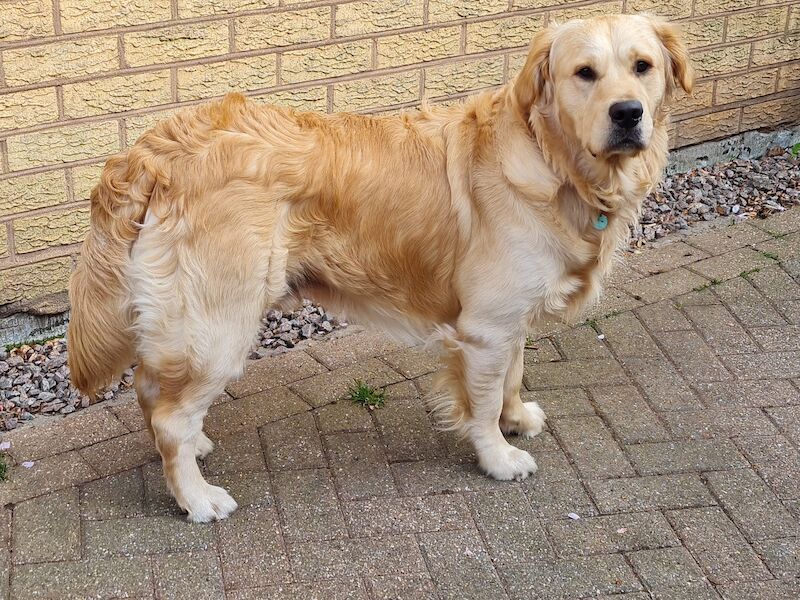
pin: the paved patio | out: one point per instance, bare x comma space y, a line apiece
674, 427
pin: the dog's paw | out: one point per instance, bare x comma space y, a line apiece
525, 419
508, 463
212, 504
202, 445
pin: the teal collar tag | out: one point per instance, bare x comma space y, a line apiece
601, 222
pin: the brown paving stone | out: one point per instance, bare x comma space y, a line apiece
632, 420
718, 546
188, 576
592, 447
343, 416
248, 489
541, 350
254, 530
664, 285
780, 224
628, 337
115, 497
601, 371
712, 422
413, 362
680, 457
274, 371
777, 339
47, 528
788, 420
782, 556
260, 569
665, 258
158, 500
145, 535
700, 296
46, 475
509, 525
747, 303
404, 425
130, 414
731, 264
725, 239
776, 460
582, 343
237, 453
293, 443
346, 589
556, 499
569, 578
666, 568
787, 589
754, 508
460, 566
564, 402
776, 284
696, 361
612, 301
769, 365
748, 393
440, 476
329, 387
650, 493
121, 453
721, 330
410, 514
308, 503
390, 555
611, 533
405, 587
118, 577
358, 465
349, 349
253, 411
663, 386
663, 316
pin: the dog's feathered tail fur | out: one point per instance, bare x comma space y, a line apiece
99, 338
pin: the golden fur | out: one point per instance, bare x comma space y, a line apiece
464, 224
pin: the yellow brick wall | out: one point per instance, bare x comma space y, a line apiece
82, 79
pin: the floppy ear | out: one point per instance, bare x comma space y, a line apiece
531, 85
679, 66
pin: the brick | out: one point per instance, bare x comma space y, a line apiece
664, 285
119, 496
674, 9
347, 350
463, 76
604, 371
52, 229
569, 578
145, 535
721, 330
60, 60
460, 565
677, 457
627, 337
788, 420
121, 453
693, 357
666, 568
344, 416
117, 94
748, 393
440, 476
391, 516
237, 453
663, 316
761, 590
358, 465
411, 587
773, 112
776, 460
592, 447
84, 178
665, 258
705, 32
413, 362
789, 76
326, 61
348, 558
24, 19
47, 528
136, 126
419, 46
189, 575
117, 577
158, 499
309, 505
725, 239
342, 589
32, 281
330, 387
746, 86
313, 98
363, 17
756, 511
717, 545
725, 422
27, 108
176, 43
283, 29
582, 343
764, 366
129, 414
512, 532
561, 403
707, 7
612, 301
632, 420
707, 127
541, 350
3, 241
755, 24
588, 11
555, 499
404, 426
249, 489
375, 92
509, 32
293, 443
77, 15
61, 145
782, 556
776, 284
747, 304
253, 531
46, 475
444, 10
776, 50
274, 371
650, 493
200, 8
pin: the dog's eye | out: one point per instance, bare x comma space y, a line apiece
642, 66
586, 73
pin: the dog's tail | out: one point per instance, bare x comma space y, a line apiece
99, 338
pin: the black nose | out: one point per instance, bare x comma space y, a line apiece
626, 114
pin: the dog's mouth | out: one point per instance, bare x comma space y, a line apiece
625, 142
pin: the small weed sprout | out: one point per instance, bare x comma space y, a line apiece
364, 395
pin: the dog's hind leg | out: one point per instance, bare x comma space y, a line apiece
518, 417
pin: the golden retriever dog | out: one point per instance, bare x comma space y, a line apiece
463, 224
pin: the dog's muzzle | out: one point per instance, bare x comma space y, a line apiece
626, 134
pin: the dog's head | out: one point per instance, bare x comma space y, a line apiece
604, 81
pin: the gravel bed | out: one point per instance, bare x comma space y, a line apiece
35, 379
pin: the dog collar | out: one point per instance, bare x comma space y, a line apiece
601, 222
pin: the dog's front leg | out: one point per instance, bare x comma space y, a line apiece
487, 360
518, 417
